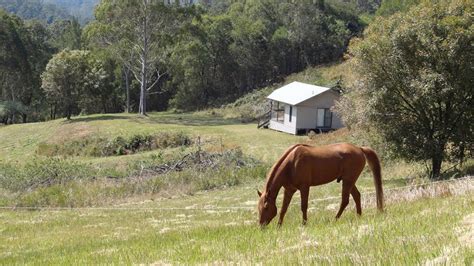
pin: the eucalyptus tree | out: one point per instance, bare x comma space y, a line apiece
140, 33
415, 81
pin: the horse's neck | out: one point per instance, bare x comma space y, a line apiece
278, 174
274, 185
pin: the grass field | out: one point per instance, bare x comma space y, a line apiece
207, 228
422, 225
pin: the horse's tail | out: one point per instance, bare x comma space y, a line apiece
374, 164
277, 165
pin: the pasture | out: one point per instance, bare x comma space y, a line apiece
423, 223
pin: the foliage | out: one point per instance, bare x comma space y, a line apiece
24, 52
51, 11
83, 10
140, 32
70, 78
390, 7
415, 84
101, 147
34, 9
190, 56
252, 44
9, 109
65, 34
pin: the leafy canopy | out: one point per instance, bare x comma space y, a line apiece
415, 80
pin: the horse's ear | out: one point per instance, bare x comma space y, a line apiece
259, 193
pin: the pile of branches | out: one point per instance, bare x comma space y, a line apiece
202, 161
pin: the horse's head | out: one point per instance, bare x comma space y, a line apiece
267, 210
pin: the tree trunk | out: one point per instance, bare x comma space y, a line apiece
127, 88
436, 162
144, 61
68, 113
24, 116
437, 158
142, 108
104, 105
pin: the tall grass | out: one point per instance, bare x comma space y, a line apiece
430, 231
67, 182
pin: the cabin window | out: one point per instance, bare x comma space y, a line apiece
291, 112
324, 118
279, 112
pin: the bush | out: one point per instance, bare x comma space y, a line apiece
58, 182
101, 147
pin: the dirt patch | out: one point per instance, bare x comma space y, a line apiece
467, 235
71, 132
446, 257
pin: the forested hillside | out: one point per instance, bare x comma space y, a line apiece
194, 58
50, 11
35, 9
83, 10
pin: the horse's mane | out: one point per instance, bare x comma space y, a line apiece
277, 165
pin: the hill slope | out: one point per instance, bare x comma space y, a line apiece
82, 9
51, 10
35, 9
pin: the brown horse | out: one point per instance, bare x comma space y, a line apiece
302, 166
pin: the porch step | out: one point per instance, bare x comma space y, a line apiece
264, 120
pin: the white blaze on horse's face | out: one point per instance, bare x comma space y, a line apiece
266, 210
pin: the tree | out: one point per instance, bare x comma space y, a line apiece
66, 34
389, 7
70, 78
140, 31
24, 52
415, 80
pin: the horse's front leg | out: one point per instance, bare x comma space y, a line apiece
304, 191
286, 201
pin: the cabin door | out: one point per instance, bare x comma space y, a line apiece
320, 118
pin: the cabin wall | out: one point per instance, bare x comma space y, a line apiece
287, 125
306, 117
307, 110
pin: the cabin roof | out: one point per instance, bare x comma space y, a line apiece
296, 92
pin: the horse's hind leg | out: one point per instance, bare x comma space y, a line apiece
304, 191
346, 190
356, 196
286, 201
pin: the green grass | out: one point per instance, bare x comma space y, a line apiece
429, 229
22, 139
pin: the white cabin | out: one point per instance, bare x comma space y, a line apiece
298, 107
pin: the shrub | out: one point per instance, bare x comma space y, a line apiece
62, 182
101, 147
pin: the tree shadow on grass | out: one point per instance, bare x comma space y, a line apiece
184, 119
458, 172
187, 120
97, 118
